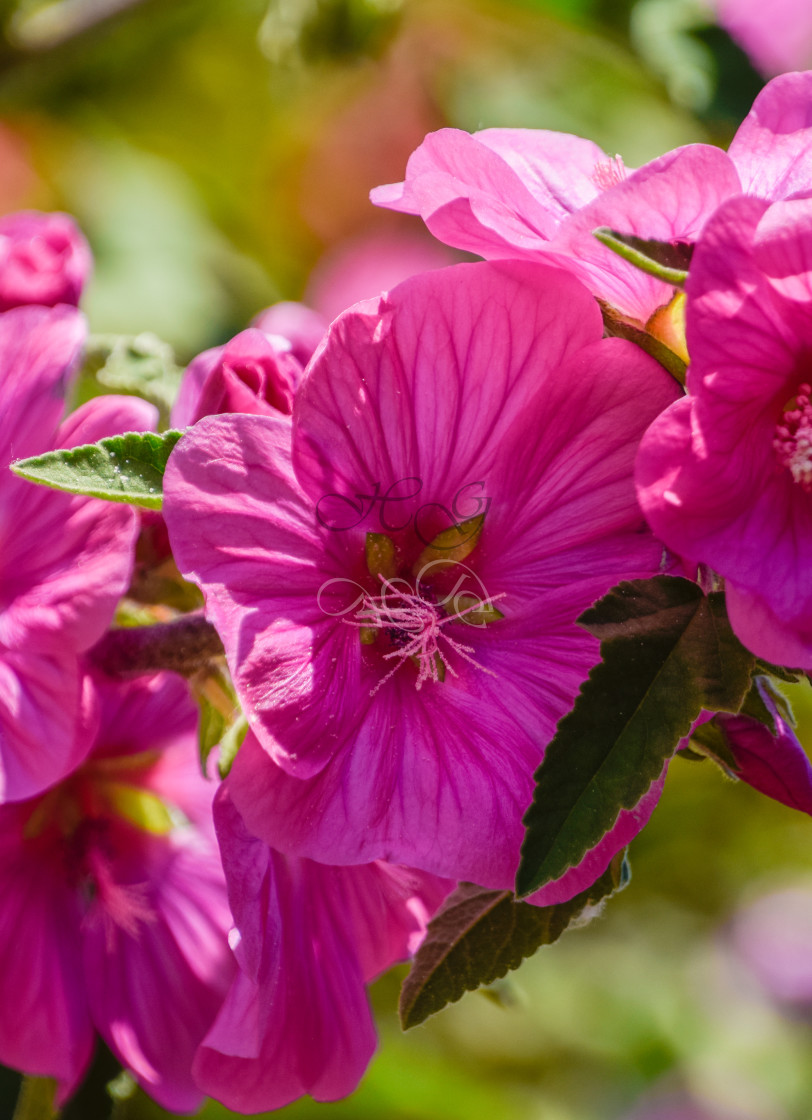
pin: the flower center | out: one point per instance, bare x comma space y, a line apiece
414, 625
793, 438
75, 822
609, 172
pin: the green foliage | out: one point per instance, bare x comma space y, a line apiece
666, 261
478, 935
667, 652
142, 365
127, 468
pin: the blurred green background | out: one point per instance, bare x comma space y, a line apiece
217, 151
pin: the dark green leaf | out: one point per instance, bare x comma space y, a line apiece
667, 652
666, 260
125, 468
711, 741
478, 935
791, 676
756, 707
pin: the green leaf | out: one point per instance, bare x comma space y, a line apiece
218, 705
230, 744
453, 545
667, 651
668, 262
618, 327
478, 935
755, 705
125, 468
140, 364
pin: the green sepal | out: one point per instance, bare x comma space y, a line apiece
230, 744
126, 468
667, 652
453, 545
661, 259
478, 935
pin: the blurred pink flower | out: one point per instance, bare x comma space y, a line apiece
777, 36
114, 914
773, 936
354, 270
308, 938
388, 723
536, 195
725, 474
44, 259
64, 561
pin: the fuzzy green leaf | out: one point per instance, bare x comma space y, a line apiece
667, 651
125, 468
478, 935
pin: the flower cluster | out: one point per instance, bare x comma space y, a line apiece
480, 563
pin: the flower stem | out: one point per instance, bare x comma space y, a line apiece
36, 1099
184, 645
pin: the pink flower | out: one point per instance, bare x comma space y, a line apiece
777, 37
518, 193
43, 259
308, 938
64, 562
252, 373
355, 270
400, 700
114, 913
725, 474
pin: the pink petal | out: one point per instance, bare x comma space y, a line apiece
669, 199
460, 351
772, 147
110, 415
45, 1027
44, 259
153, 995
470, 197
303, 996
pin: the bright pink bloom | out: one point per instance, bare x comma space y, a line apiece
518, 193
725, 474
114, 914
308, 938
252, 373
775, 765
476, 390
44, 259
64, 562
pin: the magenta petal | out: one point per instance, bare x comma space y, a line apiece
42, 731
44, 259
308, 1006
596, 861
259, 542
773, 145
316, 935
470, 197
39, 351
105, 416
669, 199
45, 1026
153, 995
463, 351
775, 765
